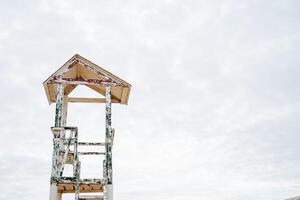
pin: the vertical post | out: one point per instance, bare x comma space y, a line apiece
63, 121
76, 166
54, 195
59, 105
108, 188
64, 111
77, 185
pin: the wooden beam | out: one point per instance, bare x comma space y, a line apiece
89, 100
69, 88
124, 95
81, 81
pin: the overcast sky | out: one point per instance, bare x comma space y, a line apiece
214, 107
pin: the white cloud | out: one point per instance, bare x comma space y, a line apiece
213, 112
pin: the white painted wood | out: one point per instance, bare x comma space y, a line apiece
65, 111
53, 192
59, 196
91, 197
108, 192
80, 71
89, 100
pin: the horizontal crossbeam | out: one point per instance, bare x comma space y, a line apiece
89, 100
72, 128
91, 143
91, 197
91, 153
65, 179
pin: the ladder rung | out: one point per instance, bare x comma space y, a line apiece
91, 143
66, 140
91, 153
84, 153
90, 197
92, 181
86, 181
72, 128
68, 178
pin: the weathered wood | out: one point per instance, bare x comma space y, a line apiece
76, 160
91, 153
55, 170
69, 159
59, 105
62, 133
91, 197
70, 188
81, 81
124, 96
66, 128
77, 186
64, 111
108, 192
54, 193
89, 100
66, 154
101, 90
91, 143
80, 71
69, 88
108, 136
104, 172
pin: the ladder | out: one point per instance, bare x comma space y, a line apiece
66, 151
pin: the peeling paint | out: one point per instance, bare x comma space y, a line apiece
65, 145
73, 64
82, 81
102, 75
108, 135
56, 143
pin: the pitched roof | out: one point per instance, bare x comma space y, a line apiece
80, 71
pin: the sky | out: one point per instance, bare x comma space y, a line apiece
214, 107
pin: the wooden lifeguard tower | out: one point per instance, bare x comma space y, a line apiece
80, 71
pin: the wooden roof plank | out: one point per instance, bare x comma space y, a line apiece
80, 71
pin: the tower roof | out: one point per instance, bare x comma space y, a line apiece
80, 71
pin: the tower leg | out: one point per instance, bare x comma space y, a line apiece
108, 192
54, 195
108, 188
55, 170
59, 196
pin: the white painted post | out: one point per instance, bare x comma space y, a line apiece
108, 192
64, 111
108, 188
54, 195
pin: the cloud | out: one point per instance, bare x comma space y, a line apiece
214, 106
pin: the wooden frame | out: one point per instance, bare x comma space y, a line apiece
80, 71
89, 100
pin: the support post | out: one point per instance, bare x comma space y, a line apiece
63, 122
64, 111
108, 188
54, 195
59, 105
77, 186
